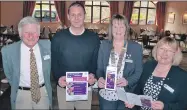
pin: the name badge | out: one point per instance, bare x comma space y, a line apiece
168, 88
129, 60
46, 57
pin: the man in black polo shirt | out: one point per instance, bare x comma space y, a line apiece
72, 50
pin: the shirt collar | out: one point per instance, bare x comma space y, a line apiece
27, 48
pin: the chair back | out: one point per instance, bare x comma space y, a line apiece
145, 40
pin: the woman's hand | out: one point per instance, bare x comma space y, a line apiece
128, 105
122, 82
101, 82
157, 105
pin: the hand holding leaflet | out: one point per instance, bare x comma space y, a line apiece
77, 86
110, 82
101, 82
139, 100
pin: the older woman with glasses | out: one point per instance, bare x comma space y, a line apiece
122, 54
163, 79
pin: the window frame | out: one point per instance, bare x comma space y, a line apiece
50, 5
100, 6
147, 8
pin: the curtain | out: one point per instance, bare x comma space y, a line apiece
0, 15
113, 8
28, 7
128, 8
160, 15
61, 10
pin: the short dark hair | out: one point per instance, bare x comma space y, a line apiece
79, 4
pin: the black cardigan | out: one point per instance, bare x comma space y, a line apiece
176, 79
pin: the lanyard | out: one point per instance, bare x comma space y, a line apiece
113, 61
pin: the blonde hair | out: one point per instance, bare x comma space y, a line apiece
173, 44
120, 18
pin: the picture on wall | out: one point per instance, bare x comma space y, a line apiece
184, 18
171, 17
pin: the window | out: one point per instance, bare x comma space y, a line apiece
45, 11
97, 12
144, 12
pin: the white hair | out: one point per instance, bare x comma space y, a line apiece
27, 20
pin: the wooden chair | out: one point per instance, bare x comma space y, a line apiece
140, 38
51, 36
42, 33
167, 33
145, 41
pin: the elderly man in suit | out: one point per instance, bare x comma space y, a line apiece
27, 66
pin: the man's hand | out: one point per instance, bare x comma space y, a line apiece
91, 79
122, 82
101, 82
62, 81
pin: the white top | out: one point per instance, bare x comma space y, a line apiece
108, 94
25, 65
74, 33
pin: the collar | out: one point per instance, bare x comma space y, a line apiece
28, 48
74, 33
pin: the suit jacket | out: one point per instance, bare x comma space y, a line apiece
11, 65
176, 79
132, 70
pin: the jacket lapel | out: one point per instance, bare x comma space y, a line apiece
108, 52
43, 53
17, 58
126, 64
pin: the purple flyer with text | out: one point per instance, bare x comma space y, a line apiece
77, 86
110, 82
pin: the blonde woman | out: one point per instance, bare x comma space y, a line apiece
125, 56
163, 79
